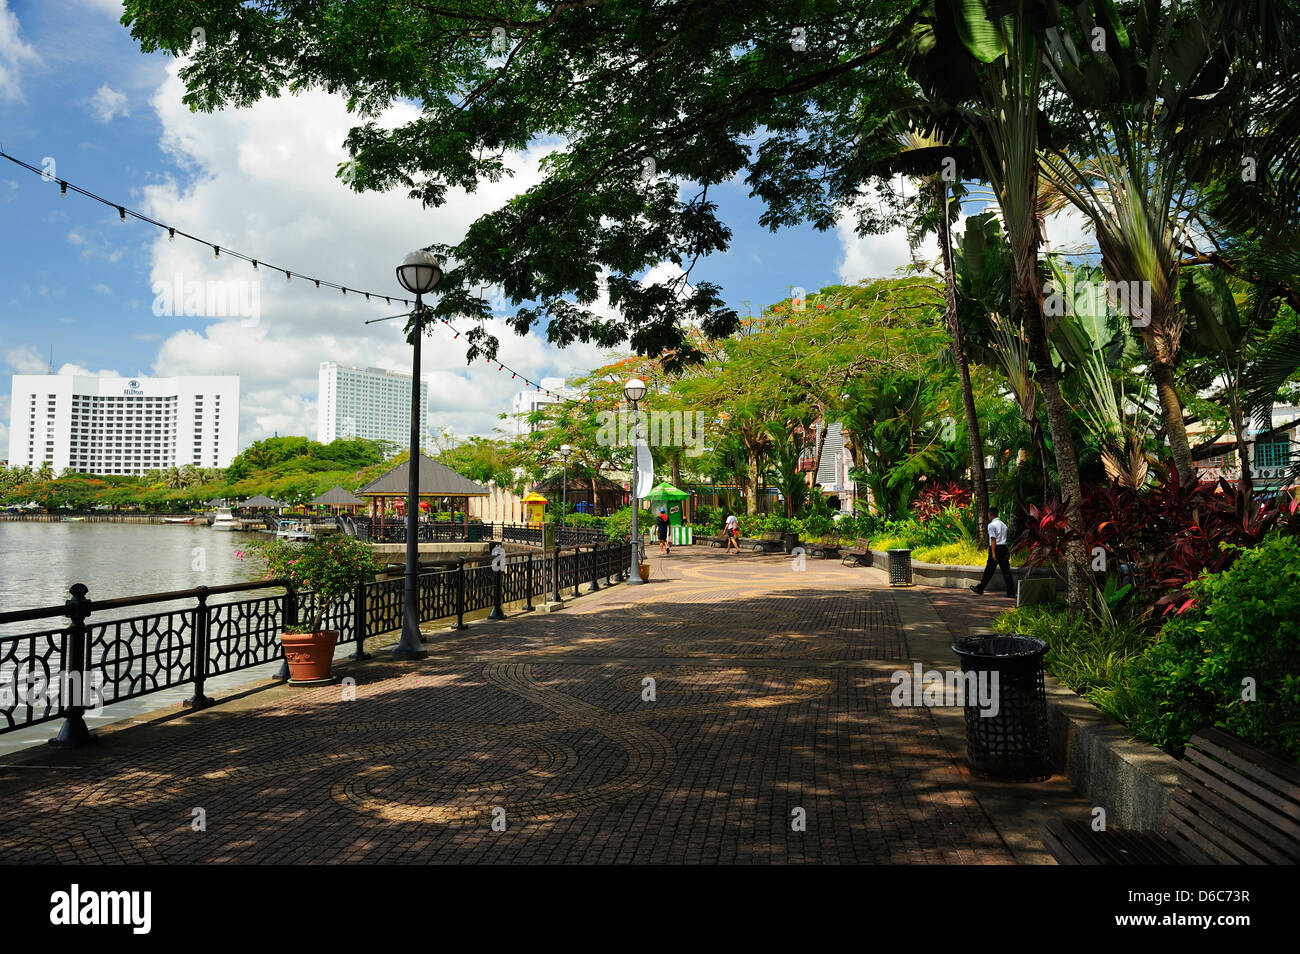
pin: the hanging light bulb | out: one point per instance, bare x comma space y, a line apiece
254, 264
345, 291
317, 281
288, 275
216, 251
63, 187
121, 214
171, 235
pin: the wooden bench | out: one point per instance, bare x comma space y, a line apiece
768, 542
1234, 805
827, 548
854, 555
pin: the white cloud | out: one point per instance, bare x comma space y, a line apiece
107, 104
101, 289
24, 360
13, 54
265, 184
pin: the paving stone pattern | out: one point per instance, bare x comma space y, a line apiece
771, 694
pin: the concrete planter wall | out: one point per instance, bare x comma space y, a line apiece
939, 574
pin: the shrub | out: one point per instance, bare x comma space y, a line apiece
1245, 626
709, 518
618, 525
818, 525
961, 553
330, 566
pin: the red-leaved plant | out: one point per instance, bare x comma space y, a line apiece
1161, 537
935, 498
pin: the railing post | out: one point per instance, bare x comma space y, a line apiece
199, 652
498, 577
556, 565
359, 620
290, 618
595, 572
73, 731
604, 558
460, 593
528, 584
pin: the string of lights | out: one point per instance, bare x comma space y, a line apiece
124, 212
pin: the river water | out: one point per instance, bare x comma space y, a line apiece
40, 561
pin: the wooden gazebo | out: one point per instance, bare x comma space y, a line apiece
437, 482
338, 500
600, 494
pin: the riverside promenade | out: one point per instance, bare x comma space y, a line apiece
733, 710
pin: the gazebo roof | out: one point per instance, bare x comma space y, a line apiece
436, 480
261, 500
336, 496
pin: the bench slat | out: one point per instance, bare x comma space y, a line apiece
1219, 822
1077, 842
1263, 781
1197, 835
1281, 775
1238, 805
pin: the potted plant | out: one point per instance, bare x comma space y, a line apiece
330, 566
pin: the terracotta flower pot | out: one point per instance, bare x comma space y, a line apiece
310, 656
644, 569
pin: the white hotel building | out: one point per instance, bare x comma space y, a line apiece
369, 403
123, 425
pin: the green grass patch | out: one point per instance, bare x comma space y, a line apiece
961, 553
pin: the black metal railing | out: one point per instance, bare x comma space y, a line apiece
58, 671
564, 536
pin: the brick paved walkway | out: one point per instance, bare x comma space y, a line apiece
771, 695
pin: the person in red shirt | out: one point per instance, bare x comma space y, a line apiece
662, 527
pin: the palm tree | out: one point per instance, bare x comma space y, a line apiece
1004, 83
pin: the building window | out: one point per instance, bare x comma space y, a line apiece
1218, 457
1275, 453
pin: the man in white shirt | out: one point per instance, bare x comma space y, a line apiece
999, 556
733, 532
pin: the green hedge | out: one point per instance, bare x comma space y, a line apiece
1243, 636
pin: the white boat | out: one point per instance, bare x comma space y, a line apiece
288, 530
225, 520
178, 519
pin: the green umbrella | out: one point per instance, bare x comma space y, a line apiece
665, 491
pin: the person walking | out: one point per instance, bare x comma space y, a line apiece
999, 556
662, 526
733, 532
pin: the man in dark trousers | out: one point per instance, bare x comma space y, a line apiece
999, 556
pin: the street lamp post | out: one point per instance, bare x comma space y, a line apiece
419, 273
634, 391
565, 451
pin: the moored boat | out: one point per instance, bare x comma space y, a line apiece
225, 520
178, 520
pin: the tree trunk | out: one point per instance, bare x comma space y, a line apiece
751, 479
1171, 408
1243, 454
979, 482
1058, 422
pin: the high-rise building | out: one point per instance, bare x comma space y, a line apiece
102, 425
370, 403
525, 402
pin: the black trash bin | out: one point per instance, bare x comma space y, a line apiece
900, 567
1009, 743
789, 541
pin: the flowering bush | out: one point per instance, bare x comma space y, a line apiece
329, 566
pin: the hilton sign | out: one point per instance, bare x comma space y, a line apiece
133, 389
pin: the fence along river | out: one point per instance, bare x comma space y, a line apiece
140, 653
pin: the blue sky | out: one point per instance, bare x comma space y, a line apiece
262, 181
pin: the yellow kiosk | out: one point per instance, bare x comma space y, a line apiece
535, 508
